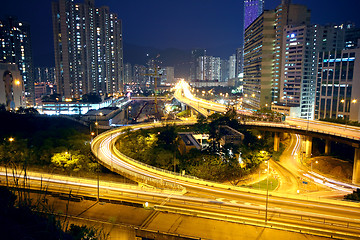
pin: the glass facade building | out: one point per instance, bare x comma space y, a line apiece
338, 91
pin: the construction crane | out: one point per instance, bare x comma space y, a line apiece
155, 75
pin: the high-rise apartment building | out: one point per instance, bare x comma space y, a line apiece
298, 81
15, 47
252, 10
224, 70
45, 75
194, 67
139, 74
208, 68
168, 75
232, 66
292, 15
88, 49
338, 85
239, 61
128, 76
258, 61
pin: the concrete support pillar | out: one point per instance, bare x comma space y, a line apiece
308, 146
276, 141
327, 147
356, 169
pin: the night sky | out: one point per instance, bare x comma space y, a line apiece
185, 24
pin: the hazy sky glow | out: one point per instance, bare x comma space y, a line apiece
185, 24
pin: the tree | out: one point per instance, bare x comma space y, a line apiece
72, 161
51, 98
167, 137
201, 125
91, 98
355, 196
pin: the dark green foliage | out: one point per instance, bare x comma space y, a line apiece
19, 222
158, 147
167, 137
37, 138
51, 98
91, 98
355, 196
21, 219
82, 233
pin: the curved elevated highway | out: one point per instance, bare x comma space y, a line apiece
219, 201
330, 131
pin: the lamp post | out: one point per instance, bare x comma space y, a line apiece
127, 115
97, 153
312, 164
354, 101
11, 139
344, 110
267, 190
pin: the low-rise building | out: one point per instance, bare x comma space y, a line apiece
187, 142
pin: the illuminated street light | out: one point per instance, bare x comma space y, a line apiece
259, 136
312, 164
11, 139
267, 189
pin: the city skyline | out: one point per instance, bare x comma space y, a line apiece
185, 25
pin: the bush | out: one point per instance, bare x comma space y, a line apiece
355, 196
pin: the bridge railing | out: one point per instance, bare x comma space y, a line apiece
289, 126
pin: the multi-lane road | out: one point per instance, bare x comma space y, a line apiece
285, 211
183, 94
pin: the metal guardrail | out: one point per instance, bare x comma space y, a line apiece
273, 124
238, 213
187, 178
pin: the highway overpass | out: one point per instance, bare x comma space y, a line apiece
331, 132
333, 214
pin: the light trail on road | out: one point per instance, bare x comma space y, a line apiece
292, 204
293, 220
307, 207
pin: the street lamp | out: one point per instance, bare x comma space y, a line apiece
312, 164
11, 139
344, 110
97, 152
92, 135
127, 115
267, 190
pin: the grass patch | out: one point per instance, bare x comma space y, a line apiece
273, 183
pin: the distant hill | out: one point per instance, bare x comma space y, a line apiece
172, 57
